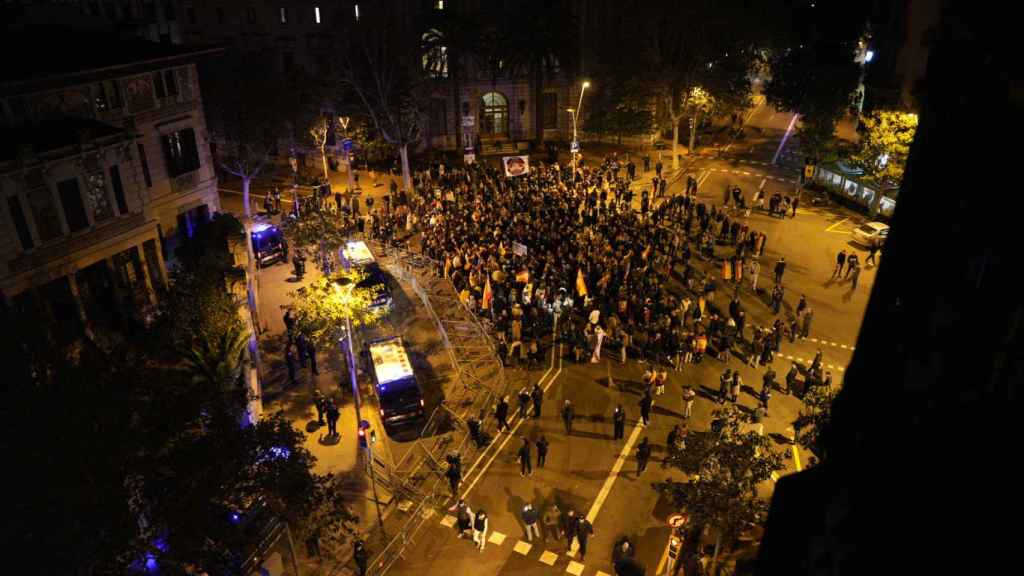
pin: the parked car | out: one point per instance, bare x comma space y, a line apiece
871, 234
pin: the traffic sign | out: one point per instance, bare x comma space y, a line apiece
346, 144
574, 147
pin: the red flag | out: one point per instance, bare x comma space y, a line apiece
488, 296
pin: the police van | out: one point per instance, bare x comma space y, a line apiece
268, 244
398, 392
355, 253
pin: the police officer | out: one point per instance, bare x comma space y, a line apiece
619, 418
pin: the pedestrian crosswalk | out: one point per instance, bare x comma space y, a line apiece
536, 551
838, 367
748, 173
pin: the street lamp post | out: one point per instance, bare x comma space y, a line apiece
350, 355
575, 115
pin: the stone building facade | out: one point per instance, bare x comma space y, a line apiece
104, 170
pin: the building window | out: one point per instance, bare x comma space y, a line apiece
220, 15
20, 224
494, 117
316, 14
93, 8
74, 207
439, 4
149, 10
169, 12
145, 166
180, 152
109, 10
284, 15
435, 57
108, 97
101, 98
190, 13
115, 183
357, 12
250, 14
126, 12
158, 84
170, 82
44, 213
549, 109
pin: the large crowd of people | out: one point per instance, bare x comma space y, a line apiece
524, 251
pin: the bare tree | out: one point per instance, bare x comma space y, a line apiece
319, 133
381, 66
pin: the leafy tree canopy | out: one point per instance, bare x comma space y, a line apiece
322, 307
886, 136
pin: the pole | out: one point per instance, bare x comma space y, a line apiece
359, 418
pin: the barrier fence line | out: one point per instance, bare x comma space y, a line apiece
406, 477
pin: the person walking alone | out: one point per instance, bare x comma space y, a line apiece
808, 317
538, 398
643, 455
872, 252
646, 403
856, 276
332, 418
568, 413
542, 451
360, 556
501, 413
688, 397
480, 525
840, 261
529, 516
753, 271
525, 459
584, 530
619, 419
780, 269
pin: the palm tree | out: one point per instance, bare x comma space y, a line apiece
541, 41
216, 359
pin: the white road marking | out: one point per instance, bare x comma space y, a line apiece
548, 558
745, 172
497, 538
607, 488
574, 568
761, 185
512, 433
448, 521
523, 547
599, 573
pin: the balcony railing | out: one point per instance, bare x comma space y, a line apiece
69, 245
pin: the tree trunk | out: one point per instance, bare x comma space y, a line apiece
693, 131
251, 282
323, 156
714, 558
675, 142
406, 174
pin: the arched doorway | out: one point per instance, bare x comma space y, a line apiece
494, 114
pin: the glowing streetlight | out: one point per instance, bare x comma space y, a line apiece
575, 116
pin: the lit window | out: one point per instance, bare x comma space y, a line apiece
284, 15
357, 11
440, 4
316, 13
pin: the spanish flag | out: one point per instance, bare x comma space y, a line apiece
488, 296
581, 283
523, 276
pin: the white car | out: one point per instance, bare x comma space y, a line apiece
871, 234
